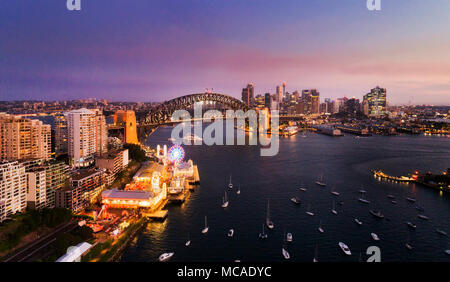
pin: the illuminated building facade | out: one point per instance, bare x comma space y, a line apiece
376, 101
248, 94
13, 189
128, 120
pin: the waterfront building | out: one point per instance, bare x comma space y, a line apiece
114, 161
185, 169
248, 94
13, 189
128, 120
23, 138
376, 100
132, 199
87, 136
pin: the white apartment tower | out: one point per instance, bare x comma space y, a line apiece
13, 189
87, 136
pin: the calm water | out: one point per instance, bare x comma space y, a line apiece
345, 162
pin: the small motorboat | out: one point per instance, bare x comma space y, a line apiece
295, 200
188, 242
320, 181
285, 253
165, 256
411, 225
376, 214
289, 237
362, 200
358, 221
421, 216
303, 189
408, 246
333, 210
334, 192
394, 202
320, 227
345, 249
412, 200
375, 236
206, 228
309, 212
442, 232
262, 235
231, 233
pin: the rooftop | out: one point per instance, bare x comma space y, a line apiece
129, 195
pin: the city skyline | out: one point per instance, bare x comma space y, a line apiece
160, 51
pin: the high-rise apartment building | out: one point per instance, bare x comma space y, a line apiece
376, 100
87, 134
23, 138
61, 134
13, 189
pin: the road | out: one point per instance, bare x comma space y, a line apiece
37, 248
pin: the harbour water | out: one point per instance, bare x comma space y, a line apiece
346, 164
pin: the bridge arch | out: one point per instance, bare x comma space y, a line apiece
163, 112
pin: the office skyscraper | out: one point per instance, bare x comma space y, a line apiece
376, 101
248, 94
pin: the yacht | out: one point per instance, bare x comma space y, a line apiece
285, 253
188, 242
376, 214
421, 216
375, 236
391, 196
320, 181
345, 249
269, 223
394, 202
289, 237
358, 221
362, 200
333, 191
412, 200
230, 185
295, 200
239, 190
231, 233
362, 191
302, 188
408, 246
225, 201
165, 256
442, 232
411, 225
315, 259
309, 212
333, 210
263, 235
206, 228
320, 227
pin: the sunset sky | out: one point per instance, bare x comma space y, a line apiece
155, 50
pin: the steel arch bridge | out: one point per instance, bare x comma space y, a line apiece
163, 112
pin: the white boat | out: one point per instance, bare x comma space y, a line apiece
362, 191
394, 202
408, 246
333, 210
411, 225
375, 236
345, 249
320, 181
320, 227
421, 216
315, 259
377, 214
361, 199
188, 242
231, 233
289, 237
295, 200
391, 196
230, 185
263, 235
269, 223
206, 228
225, 200
442, 232
285, 253
447, 252
412, 200
333, 191
165, 256
239, 190
302, 188
358, 221
308, 212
